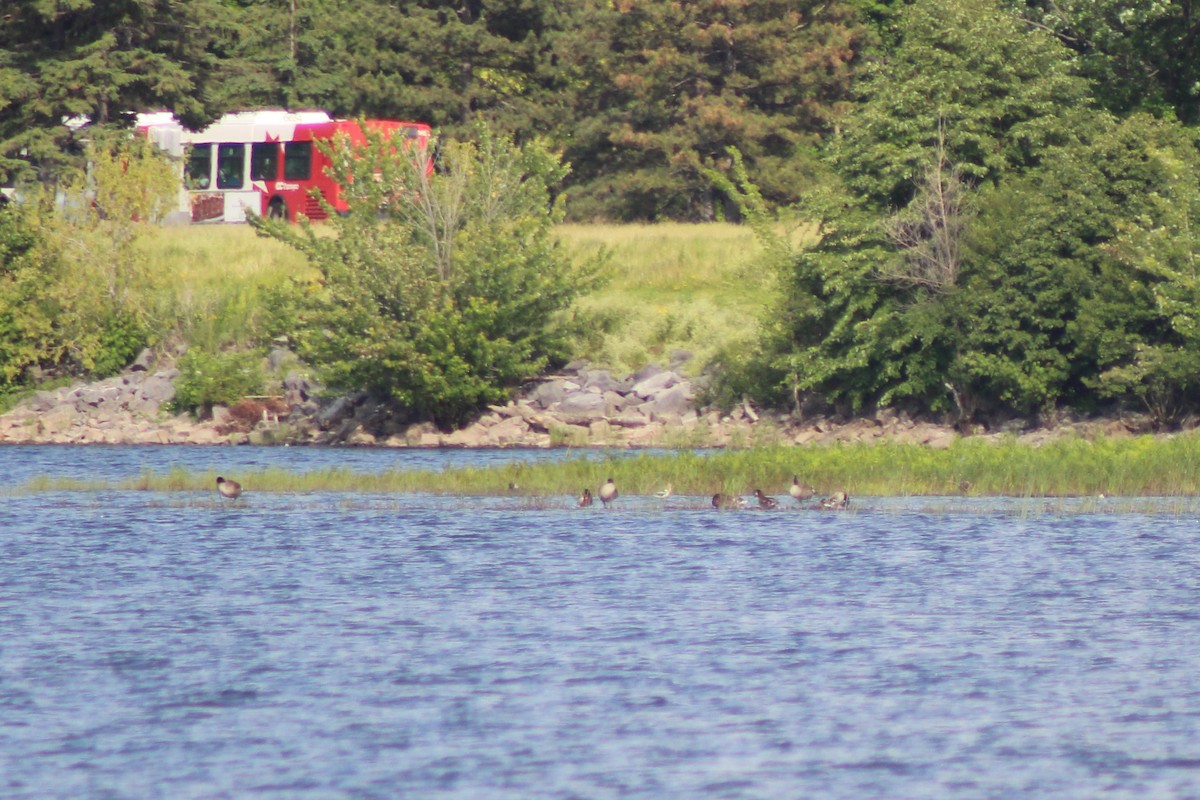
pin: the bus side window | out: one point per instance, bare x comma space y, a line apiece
264, 161
199, 166
297, 161
231, 166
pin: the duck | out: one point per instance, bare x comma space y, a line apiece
800, 491
608, 492
839, 501
230, 489
724, 502
765, 502
585, 499
665, 493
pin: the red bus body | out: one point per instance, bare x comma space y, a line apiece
267, 162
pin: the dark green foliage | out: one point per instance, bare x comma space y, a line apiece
1032, 307
1072, 280
665, 88
100, 59
1139, 55
998, 92
441, 292
429, 60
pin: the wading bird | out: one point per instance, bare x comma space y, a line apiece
800, 491
665, 493
585, 499
608, 492
764, 502
230, 489
838, 502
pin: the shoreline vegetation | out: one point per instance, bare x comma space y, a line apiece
1144, 466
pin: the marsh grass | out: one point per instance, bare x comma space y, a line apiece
672, 286
212, 280
1067, 468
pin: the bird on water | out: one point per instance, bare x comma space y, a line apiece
838, 502
724, 502
230, 489
765, 502
608, 492
585, 499
800, 491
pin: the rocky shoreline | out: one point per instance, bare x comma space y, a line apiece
580, 407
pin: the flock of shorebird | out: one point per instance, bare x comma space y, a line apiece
802, 492
607, 493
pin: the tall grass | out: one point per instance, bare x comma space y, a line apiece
673, 286
1144, 466
212, 280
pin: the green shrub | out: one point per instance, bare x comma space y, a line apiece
440, 292
208, 379
74, 288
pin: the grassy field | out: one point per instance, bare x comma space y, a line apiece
671, 286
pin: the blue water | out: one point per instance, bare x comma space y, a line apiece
378, 646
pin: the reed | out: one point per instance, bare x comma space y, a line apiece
1132, 467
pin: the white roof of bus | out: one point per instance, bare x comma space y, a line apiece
241, 126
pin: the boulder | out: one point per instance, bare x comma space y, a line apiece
143, 362
673, 402
647, 371
603, 381
653, 384
583, 404
552, 391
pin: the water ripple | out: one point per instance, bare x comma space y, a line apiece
319, 647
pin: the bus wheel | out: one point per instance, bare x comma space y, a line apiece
277, 209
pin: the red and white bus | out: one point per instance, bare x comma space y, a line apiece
264, 161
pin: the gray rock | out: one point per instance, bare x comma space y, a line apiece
98, 395
673, 402
602, 380
143, 361
647, 371
552, 391
337, 411
651, 385
158, 389
586, 404
44, 401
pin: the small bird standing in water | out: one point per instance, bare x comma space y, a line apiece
608, 492
230, 489
764, 502
840, 501
800, 491
665, 493
585, 499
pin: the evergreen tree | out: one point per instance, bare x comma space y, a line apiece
432, 61
1138, 54
972, 88
99, 59
666, 88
